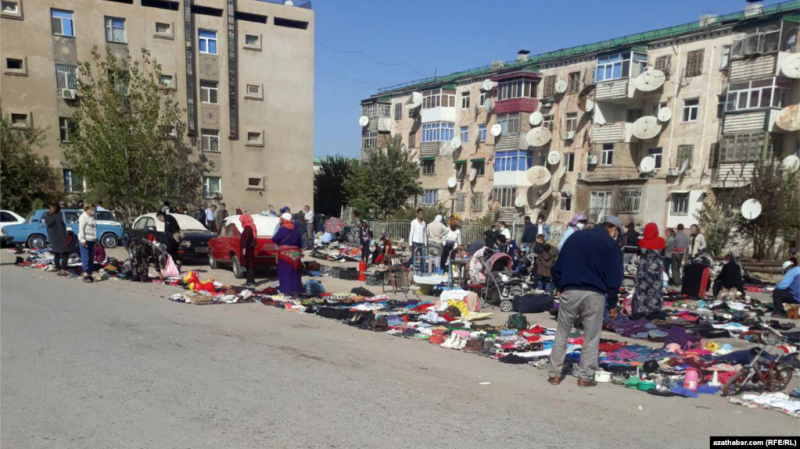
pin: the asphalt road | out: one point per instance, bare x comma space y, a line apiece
116, 365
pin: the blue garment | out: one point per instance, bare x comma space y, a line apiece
87, 257
590, 260
791, 282
564, 237
529, 235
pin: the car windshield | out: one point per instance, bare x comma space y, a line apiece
29, 218
104, 215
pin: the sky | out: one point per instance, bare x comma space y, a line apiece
364, 45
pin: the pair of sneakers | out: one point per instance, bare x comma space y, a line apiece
454, 342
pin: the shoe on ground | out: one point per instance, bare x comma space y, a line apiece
778, 315
555, 380
586, 383
88, 279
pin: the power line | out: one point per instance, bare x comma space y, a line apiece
358, 52
345, 76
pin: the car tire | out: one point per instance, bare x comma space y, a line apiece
212, 262
238, 272
109, 240
37, 241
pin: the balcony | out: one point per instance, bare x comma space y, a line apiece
613, 91
608, 133
516, 92
439, 105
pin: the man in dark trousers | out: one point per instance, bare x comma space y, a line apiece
588, 270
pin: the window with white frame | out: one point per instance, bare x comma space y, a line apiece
481, 133
572, 122
516, 88
369, 140
464, 134
212, 186
428, 166
62, 23
630, 200
547, 121
253, 91
163, 28
607, 154
165, 81
657, 154
691, 107
10, 7
430, 196
15, 65
766, 93
476, 202
209, 140
66, 126
569, 161
509, 123
255, 183
252, 40
574, 82
208, 92
566, 203
438, 98
384, 109
517, 160
465, 100
66, 76
680, 204
73, 183
599, 206
685, 153
115, 30
482, 99
208, 41
437, 132
504, 195
617, 66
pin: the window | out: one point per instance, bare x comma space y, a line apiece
547, 122
480, 167
464, 134
438, 98
482, 99
369, 140
430, 196
657, 154
690, 109
14, 64
757, 94
742, 147
464, 100
599, 206
209, 140
657, 107
289, 23
165, 81
65, 128
663, 64
376, 110
617, 66
255, 183
11, 8
62, 23
398, 111
19, 120
569, 161
476, 202
518, 160
163, 28
510, 124
252, 40
694, 63
412, 139
253, 91
461, 169
725, 58
481, 133
574, 82
572, 122
73, 182
713, 156
212, 186
607, 155
505, 196
208, 92
115, 30
428, 167
437, 132
684, 154
208, 41
629, 200
255, 138
461, 202
566, 202
632, 115
680, 203
66, 76
549, 88
516, 88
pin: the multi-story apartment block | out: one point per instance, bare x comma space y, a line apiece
698, 101
243, 69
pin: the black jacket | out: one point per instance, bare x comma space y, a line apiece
171, 225
56, 232
529, 235
731, 276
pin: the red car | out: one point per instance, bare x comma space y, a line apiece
224, 250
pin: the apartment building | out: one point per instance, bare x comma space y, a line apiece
699, 101
242, 69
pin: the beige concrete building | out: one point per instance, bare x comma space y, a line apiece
243, 69
691, 98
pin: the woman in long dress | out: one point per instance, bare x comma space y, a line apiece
289, 239
647, 299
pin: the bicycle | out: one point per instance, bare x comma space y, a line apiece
773, 375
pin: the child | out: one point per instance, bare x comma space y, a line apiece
545, 262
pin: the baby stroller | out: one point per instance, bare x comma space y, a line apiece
502, 282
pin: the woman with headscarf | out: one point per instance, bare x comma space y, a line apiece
578, 223
247, 247
239, 211
436, 232
365, 238
647, 298
289, 239
451, 240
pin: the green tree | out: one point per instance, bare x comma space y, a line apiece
129, 133
715, 220
329, 192
386, 181
25, 177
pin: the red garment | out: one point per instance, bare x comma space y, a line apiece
611, 347
247, 222
650, 239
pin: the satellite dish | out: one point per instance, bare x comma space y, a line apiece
684, 166
664, 114
561, 86
451, 182
646, 127
789, 118
563, 171
496, 207
486, 85
538, 137
536, 118
790, 67
487, 104
363, 121
650, 80
496, 129
455, 153
751, 209
791, 163
554, 157
519, 201
473, 174
288, 3
414, 101
538, 175
544, 196
567, 190
647, 165
455, 142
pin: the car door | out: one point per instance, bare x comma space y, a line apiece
226, 242
139, 228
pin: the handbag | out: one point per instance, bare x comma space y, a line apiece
517, 321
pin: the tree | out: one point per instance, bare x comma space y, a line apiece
26, 178
386, 181
128, 139
329, 192
715, 220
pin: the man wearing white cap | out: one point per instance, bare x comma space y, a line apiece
787, 290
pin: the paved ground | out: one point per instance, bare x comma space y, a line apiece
114, 364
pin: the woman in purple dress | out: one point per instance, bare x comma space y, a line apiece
289, 239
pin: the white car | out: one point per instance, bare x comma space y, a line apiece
9, 218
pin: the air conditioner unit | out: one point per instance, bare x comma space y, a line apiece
583, 175
672, 171
569, 135
69, 94
592, 160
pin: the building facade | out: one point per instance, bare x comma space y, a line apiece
699, 101
242, 69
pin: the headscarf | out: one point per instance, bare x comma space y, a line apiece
247, 222
574, 222
438, 219
239, 212
285, 209
651, 239
286, 221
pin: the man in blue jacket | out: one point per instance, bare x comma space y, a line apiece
588, 273
788, 290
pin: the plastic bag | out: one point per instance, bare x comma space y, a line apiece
170, 269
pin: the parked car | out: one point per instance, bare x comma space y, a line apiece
33, 231
8, 218
194, 236
225, 248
